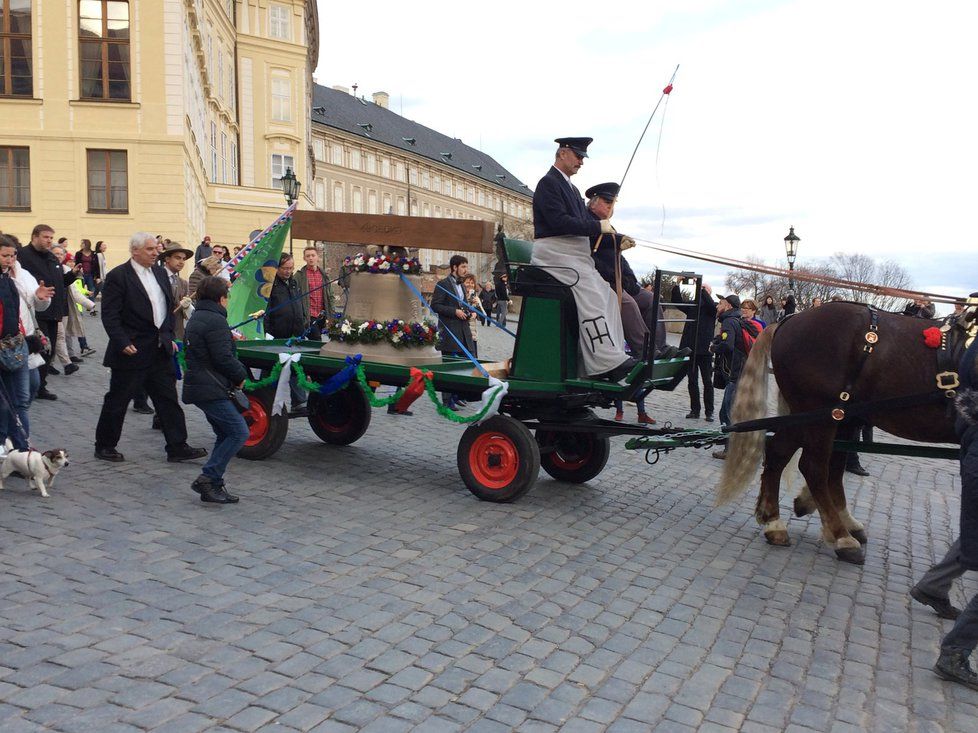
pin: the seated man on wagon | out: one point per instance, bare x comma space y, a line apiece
562, 227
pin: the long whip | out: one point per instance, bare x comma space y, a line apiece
665, 93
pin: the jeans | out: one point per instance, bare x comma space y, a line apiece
35, 380
728, 398
231, 431
15, 398
502, 308
89, 281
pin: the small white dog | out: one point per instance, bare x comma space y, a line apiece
38, 468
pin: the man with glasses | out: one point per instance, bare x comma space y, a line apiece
561, 246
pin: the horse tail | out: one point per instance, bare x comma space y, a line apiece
745, 450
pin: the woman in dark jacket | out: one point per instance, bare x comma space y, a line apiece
287, 316
212, 370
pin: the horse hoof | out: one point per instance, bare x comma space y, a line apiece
802, 509
778, 537
854, 555
859, 535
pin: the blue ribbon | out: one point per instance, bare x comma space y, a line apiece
339, 380
469, 305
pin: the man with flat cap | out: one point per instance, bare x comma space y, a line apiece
637, 305
562, 229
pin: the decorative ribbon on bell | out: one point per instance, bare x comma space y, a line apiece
414, 389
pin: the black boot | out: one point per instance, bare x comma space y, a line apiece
216, 494
199, 483
952, 665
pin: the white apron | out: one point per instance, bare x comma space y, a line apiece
601, 341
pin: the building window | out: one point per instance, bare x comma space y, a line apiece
387, 204
108, 181
357, 201
318, 150
320, 194
414, 208
279, 23
401, 206
372, 202
16, 60
447, 190
213, 152
232, 97
281, 99
219, 92
438, 212
426, 210
399, 171
413, 175
355, 159
103, 37
338, 197
234, 164
371, 164
385, 168
425, 180
15, 179
224, 157
337, 154
470, 194
279, 164
229, 8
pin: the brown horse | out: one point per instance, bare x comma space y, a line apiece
817, 356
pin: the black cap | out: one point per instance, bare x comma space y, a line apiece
607, 191
577, 144
734, 300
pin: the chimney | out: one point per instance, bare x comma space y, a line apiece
339, 88
382, 99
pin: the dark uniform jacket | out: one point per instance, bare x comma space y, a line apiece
287, 320
45, 266
707, 321
559, 210
127, 315
211, 364
967, 428
445, 306
604, 259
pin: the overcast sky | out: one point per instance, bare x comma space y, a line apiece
855, 121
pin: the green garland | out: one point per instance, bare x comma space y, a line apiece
249, 385
371, 397
448, 414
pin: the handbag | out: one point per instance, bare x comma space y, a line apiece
237, 395
13, 353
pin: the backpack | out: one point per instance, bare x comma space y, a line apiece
749, 332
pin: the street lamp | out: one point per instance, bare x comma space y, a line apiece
290, 186
791, 249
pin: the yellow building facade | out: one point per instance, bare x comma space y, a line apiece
175, 117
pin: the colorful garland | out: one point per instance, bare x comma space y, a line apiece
379, 263
398, 334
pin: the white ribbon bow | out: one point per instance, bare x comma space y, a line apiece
282, 388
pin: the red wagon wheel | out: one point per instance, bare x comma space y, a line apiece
573, 457
498, 459
266, 432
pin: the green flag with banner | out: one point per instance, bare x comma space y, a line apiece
255, 266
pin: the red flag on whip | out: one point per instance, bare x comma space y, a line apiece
668, 88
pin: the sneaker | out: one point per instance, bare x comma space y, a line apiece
76, 360
619, 416
88, 351
44, 394
70, 369
53, 370
645, 419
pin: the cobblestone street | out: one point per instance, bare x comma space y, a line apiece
365, 588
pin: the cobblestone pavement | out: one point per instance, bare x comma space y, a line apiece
364, 588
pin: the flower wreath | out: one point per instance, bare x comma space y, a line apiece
397, 333
379, 263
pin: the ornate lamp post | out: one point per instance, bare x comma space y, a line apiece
290, 186
791, 249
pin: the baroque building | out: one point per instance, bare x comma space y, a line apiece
368, 159
175, 117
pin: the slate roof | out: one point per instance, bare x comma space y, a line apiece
365, 119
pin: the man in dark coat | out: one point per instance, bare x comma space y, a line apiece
38, 260
698, 335
203, 251
453, 316
287, 316
137, 312
637, 304
730, 351
561, 247
960, 642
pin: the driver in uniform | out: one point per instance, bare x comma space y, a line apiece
562, 227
